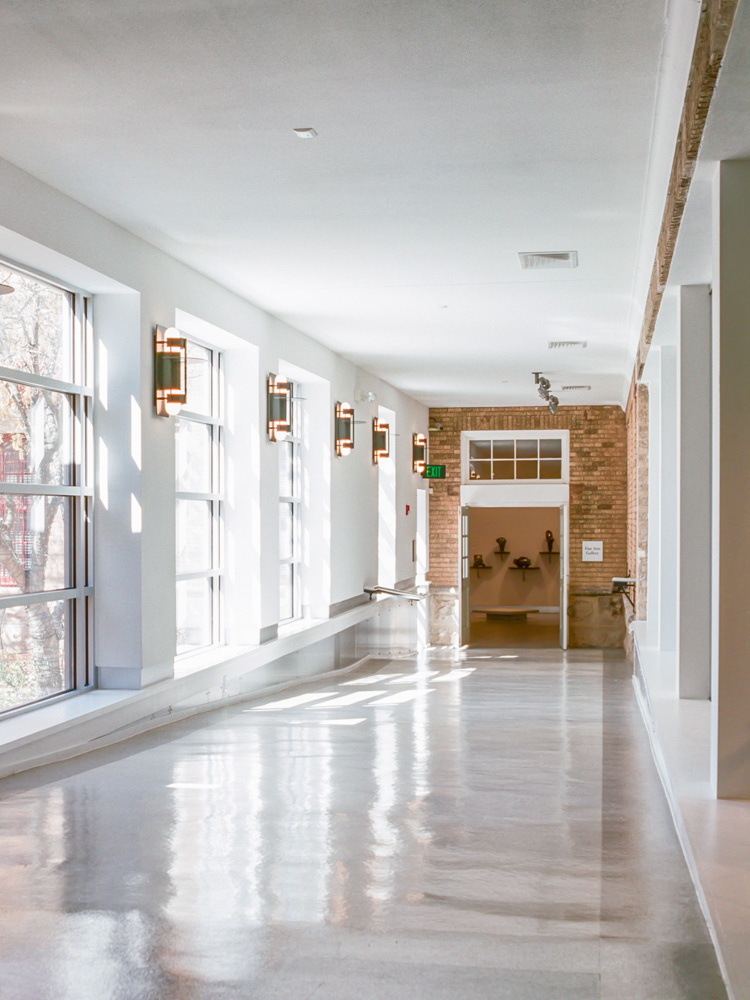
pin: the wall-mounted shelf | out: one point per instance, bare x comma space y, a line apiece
528, 569
477, 568
546, 552
503, 555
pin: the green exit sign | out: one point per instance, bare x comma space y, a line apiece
434, 472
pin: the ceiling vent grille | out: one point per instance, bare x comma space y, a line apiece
578, 388
547, 259
555, 345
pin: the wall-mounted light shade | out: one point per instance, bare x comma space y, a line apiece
170, 371
381, 440
278, 408
6, 289
344, 432
419, 453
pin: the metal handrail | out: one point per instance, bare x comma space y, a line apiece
372, 591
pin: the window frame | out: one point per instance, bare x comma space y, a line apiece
294, 440
492, 435
79, 567
215, 497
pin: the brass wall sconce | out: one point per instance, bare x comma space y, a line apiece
344, 428
278, 408
419, 453
381, 440
170, 371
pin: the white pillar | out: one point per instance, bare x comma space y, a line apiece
653, 376
694, 401
669, 500
730, 506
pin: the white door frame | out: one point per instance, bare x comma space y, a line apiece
530, 495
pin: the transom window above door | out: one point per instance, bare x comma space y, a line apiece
507, 457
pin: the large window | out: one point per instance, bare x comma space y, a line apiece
289, 518
45, 491
506, 456
199, 504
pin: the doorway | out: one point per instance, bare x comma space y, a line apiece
513, 582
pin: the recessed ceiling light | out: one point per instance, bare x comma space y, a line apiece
305, 133
576, 388
548, 258
555, 344
442, 307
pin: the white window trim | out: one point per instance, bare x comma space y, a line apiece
80, 645
546, 435
216, 498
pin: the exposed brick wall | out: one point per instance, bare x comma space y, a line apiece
636, 421
598, 483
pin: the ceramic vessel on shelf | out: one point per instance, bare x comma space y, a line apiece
523, 562
550, 540
501, 543
479, 563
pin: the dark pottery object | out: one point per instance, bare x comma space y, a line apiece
478, 563
550, 540
523, 562
501, 543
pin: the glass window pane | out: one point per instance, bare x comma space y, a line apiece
526, 469
36, 328
198, 379
502, 449
193, 535
480, 449
34, 551
480, 470
550, 448
527, 449
193, 614
286, 469
550, 468
36, 435
193, 457
503, 469
286, 531
286, 592
34, 659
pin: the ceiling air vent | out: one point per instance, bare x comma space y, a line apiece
553, 345
576, 388
547, 259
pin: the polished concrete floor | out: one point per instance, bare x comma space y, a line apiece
441, 829
539, 631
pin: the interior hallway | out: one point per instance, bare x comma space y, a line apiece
444, 828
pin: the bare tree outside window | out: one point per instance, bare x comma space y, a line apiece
37, 486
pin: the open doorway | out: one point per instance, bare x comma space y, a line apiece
515, 577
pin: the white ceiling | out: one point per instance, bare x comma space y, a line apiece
452, 134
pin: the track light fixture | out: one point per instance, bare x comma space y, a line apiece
544, 385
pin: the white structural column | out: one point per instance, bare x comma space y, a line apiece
730, 506
653, 377
694, 403
668, 513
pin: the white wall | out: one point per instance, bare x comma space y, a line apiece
137, 287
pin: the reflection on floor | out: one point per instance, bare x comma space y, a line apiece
465, 826
539, 631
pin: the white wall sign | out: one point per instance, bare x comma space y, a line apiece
592, 551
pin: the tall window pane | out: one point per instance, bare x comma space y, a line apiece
44, 408
199, 497
289, 518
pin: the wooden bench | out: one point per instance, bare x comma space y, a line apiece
499, 614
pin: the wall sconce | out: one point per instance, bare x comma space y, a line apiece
6, 289
170, 371
278, 408
419, 453
381, 440
344, 432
